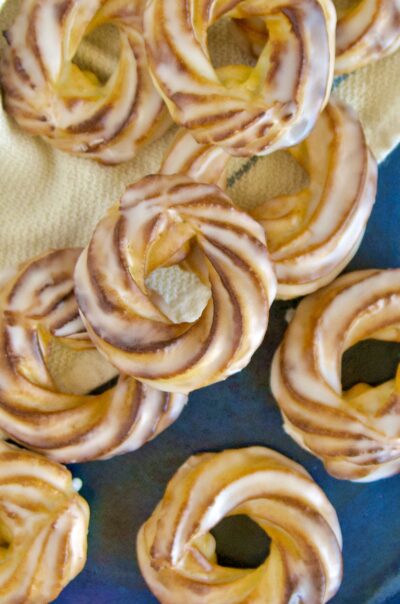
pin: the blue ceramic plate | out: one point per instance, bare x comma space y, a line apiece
241, 411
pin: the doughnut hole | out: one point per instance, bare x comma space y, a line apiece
370, 373
98, 52
226, 47
372, 362
250, 182
240, 542
180, 293
79, 371
5, 539
174, 287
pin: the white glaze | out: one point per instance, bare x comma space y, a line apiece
356, 434
368, 32
45, 523
177, 553
37, 304
223, 246
107, 122
312, 234
273, 106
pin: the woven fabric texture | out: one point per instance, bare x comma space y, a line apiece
51, 200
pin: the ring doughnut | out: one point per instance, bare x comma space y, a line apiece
37, 305
355, 433
312, 234
172, 220
247, 110
50, 96
44, 525
176, 550
367, 32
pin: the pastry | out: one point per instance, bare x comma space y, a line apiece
246, 110
172, 220
356, 432
36, 306
366, 32
50, 96
177, 552
312, 234
44, 525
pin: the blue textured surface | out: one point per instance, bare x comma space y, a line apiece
241, 411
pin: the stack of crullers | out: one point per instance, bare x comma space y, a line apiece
101, 297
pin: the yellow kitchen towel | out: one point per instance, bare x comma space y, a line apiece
51, 200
